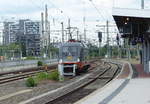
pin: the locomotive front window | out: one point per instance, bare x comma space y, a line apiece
69, 51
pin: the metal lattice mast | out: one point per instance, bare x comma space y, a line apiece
84, 28
62, 24
42, 25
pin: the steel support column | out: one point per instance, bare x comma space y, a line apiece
148, 56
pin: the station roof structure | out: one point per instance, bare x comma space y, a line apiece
132, 23
139, 13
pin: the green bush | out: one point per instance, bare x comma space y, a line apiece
53, 76
33, 81
41, 76
39, 63
30, 82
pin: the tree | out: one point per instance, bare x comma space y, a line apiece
93, 50
103, 51
14, 50
52, 51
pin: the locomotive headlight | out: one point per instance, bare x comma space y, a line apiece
60, 61
78, 60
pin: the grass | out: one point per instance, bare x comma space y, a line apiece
53, 76
41, 76
33, 81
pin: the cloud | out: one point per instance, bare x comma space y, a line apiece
127, 3
74, 9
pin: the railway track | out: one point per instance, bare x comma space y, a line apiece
17, 75
69, 98
69, 91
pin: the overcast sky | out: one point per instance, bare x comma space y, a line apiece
71, 8
60, 10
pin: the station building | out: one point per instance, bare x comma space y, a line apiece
134, 26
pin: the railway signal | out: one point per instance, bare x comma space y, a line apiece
100, 40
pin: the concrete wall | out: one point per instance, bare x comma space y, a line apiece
17, 65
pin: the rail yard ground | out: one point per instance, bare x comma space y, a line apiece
17, 92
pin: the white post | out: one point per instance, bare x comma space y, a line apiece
60, 70
74, 69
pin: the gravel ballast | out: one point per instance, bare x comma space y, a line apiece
49, 86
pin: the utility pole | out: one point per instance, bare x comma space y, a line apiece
42, 26
127, 48
107, 31
42, 23
119, 52
84, 29
62, 24
80, 37
142, 4
118, 43
99, 49
100, 40
49, 33
47, 30
77, 34
46, 20
129, 53
84, 19
69, 29
45, 39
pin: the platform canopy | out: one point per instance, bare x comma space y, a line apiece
133, 23
139, 13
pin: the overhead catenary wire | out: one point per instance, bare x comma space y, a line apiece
63, 12
84, 21
103, 13
104, 18
100, 13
